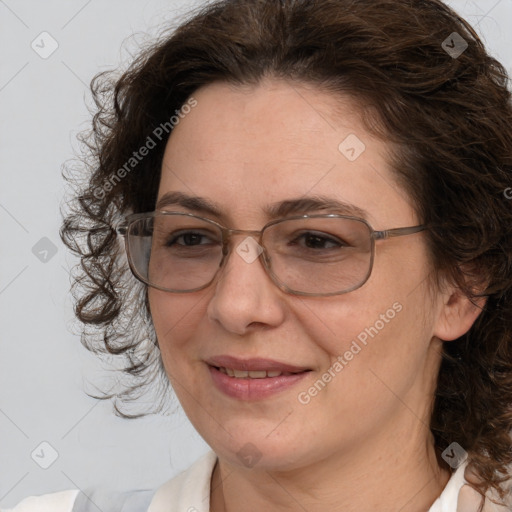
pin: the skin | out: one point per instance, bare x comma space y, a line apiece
363, 442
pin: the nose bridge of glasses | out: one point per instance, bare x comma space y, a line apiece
229, 245
243, 231
247, 232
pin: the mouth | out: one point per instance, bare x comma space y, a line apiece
253, 368
253, 379
254, 374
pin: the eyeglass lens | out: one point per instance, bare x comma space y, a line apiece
309, 255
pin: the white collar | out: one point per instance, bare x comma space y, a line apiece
447, 502
189, 491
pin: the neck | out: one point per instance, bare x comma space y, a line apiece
407, 477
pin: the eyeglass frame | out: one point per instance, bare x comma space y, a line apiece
226, 233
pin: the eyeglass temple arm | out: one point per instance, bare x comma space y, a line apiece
390, 233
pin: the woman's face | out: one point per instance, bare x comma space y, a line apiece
372, 352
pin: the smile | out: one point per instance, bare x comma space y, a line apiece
255, 374
253, 379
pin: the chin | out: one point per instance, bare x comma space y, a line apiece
265, 445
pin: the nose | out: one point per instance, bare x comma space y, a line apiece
244, 296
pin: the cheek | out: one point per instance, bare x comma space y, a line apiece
356, 332
385, 326
399, 351
375, 353
175, 318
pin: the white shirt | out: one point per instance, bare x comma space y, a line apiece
187, 492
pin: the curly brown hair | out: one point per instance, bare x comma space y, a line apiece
449, 115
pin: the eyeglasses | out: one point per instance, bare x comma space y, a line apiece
316, 255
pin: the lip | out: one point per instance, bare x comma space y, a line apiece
253, 389
254, 364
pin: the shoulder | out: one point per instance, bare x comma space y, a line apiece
55, 502
459, 496
89, 500
188, 491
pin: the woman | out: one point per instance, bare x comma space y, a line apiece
312, 198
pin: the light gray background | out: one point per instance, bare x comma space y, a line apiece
43, 367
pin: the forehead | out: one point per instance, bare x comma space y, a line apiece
247, 147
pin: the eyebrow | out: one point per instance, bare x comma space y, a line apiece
278, 210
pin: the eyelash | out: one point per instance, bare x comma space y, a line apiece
327, 238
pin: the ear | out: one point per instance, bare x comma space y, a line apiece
457, 315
